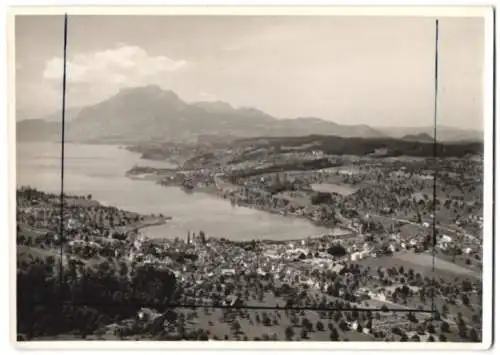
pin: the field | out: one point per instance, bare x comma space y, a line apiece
422, 263
251, 324
341, 189
28, 254
425, 260
445, 271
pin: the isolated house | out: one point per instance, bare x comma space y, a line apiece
147, 314
446, 239
228, 272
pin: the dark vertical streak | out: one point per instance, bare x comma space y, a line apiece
494, 179
434, 192
61, 227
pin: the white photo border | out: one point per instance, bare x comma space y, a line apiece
425, 11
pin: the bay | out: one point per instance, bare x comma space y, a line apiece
100, 170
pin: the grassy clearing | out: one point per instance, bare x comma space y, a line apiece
341, 189
422, 263
250, 329
27, 253
426, 260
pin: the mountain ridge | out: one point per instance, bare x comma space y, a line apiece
149, 113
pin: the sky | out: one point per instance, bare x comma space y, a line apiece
351, 70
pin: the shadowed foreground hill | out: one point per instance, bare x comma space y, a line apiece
91, 297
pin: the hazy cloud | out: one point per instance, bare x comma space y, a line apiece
92, 76
123, 65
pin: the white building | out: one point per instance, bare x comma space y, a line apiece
446, 239
356, 256
228, 272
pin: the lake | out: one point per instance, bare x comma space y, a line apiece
100, 170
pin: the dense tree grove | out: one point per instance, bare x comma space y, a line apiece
337, 250
321, 198
83, 299
363, 146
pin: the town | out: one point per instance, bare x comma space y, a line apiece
403, 261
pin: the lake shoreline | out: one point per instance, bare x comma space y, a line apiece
101, 171
338, 231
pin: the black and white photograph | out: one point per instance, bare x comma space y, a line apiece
263, 177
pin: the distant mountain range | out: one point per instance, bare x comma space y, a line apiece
146, 114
